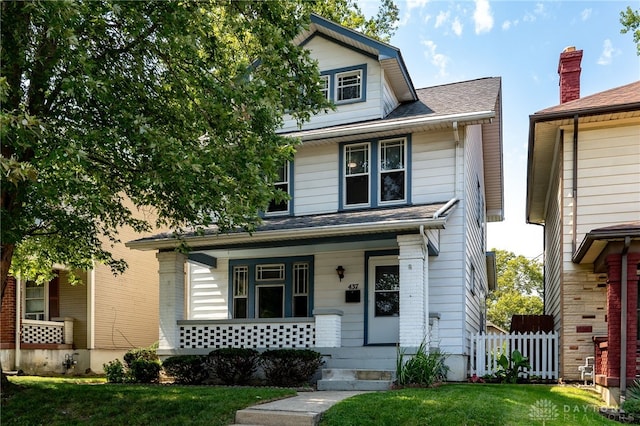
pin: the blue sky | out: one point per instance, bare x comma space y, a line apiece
520, 41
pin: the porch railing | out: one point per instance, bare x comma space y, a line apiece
59, 332
540, 348
249, 333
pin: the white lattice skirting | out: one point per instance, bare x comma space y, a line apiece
248, 335
43, 333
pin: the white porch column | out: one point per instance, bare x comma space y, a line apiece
413, 290
328, 328
171, 272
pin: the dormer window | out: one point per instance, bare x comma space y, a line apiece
325, 86
349, 86
345, 85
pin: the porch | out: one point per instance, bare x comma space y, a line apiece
55, 334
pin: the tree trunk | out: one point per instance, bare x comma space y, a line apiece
6, 252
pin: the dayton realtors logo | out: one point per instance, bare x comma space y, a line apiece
544, 410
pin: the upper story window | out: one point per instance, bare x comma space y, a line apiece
357, 174
392, 171
282, 184
325, 86
345, 85
348, 85
375, 173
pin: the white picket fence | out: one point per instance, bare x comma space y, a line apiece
540, 348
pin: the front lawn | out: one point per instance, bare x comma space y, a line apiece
471, 404
71, 401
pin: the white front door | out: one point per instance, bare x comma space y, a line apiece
383, 318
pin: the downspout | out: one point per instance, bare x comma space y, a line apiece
623, 319
17, 358
456, 138
574, 192
425, 275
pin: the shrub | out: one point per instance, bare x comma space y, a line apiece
424, 368
510, 368
632, 404
144, 371
147, 354
186, 369
114, 370
290, 367
233, 366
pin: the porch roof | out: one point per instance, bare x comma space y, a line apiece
358, 222
596, 242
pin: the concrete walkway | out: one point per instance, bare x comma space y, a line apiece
304, 409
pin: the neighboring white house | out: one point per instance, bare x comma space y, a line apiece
383, 242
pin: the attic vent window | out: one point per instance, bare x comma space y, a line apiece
349, 85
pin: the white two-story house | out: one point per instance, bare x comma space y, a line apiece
383, 241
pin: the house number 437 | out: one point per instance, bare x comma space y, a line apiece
353, 286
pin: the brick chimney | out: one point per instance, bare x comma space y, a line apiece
569, 71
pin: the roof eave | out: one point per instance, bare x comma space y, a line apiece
288, 234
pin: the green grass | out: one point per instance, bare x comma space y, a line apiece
70, 401
471, 404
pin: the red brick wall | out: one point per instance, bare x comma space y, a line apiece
614, 306
8, 313
569, 70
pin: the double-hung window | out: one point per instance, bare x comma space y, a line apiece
325, 86
279, 207
375, 173
35, 307
349, 85
240, 284
356, 172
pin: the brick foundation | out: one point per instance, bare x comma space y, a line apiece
8, 314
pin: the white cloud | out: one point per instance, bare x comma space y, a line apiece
483, 17
506, 25
532, 16
608, 52
442, 18
585, 14
456, 26
410, 5
438, 59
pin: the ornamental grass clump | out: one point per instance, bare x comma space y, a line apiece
425, 368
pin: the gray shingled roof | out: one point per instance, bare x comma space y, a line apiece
455, 98
392, 217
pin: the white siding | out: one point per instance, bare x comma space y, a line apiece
389, 100
316, 180
432, 167
208, 291
553, 248
331, 56
475, 229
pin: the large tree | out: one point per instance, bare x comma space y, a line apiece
170, 104
630, 21
161, 102
519, 288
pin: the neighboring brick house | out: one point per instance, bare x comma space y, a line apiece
590, 209
383, 242
94, 322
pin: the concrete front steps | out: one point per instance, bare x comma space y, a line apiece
341, 379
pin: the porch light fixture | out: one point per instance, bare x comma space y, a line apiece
340, 272
352, 165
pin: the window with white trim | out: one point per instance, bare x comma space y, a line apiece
348, 85
35, 301
392, 171
282, 184
301, 289
240, 291
357, 174
325, 86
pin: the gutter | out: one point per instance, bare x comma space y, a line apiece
363, 128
